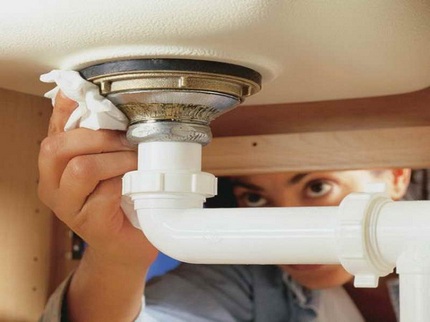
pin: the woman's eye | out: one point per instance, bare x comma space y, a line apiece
318, 188
250, 199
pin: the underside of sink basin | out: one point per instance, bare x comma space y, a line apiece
305, 50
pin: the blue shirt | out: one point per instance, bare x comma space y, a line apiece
259, 293
223, 293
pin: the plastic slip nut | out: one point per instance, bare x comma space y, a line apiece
355, 250
174, 182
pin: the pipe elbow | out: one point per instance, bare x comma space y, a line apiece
170, 232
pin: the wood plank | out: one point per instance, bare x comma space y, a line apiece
405, 110
25, 223
377, 148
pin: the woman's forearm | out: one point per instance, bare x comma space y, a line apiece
104, 291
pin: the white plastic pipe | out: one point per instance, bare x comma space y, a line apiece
168, 176
169, 156
401, 223
369, 234
413, 267
415, 297
244, 235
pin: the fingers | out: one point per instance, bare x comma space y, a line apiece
64, 106
80, 180
101, 210
57, 151
102, 220
82, 176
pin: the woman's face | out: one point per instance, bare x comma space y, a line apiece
294, 189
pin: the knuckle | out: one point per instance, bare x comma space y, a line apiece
79, 223
51, 146
48, 146
82, 167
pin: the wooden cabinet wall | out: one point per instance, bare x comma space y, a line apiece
25, 223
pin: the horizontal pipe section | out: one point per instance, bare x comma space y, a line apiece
244, 235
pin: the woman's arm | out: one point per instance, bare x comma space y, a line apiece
80, 180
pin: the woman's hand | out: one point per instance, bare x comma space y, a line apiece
80, 180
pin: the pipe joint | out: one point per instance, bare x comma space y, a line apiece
152, 182
357, 238
415, 259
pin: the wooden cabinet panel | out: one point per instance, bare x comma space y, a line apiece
25, 223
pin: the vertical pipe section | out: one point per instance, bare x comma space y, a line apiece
415, 297
403, 238
170, 156
244, 235
413, 267
168, 176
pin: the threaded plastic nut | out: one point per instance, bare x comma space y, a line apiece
356, 247
201, 183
